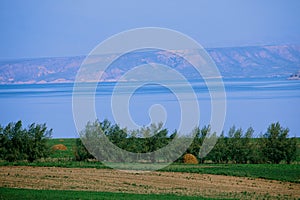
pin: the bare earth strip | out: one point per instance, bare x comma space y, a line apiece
151, 182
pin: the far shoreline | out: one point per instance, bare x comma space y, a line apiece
57, 82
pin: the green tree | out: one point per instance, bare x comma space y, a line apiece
277, 145
37, 136
24, 144
237, 154
199, 136
231, 142
12, 143
248, 145
237, 147
115, 134
154, 137
205, 147
219, 153
80, 151
194, 148
291, 150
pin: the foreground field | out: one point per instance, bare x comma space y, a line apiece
187, 184
24, 194
61, 177
279, 172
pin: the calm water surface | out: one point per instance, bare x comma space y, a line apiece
250, 102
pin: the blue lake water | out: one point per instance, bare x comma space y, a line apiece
250, 102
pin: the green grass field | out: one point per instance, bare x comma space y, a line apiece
69, 143
280, 172
13, 193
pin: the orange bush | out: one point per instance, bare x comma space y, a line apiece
59, 147
190, 159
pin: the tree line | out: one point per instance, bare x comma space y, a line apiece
237, 146
274, 146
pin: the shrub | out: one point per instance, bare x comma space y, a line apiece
190, 159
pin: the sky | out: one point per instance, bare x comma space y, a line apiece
55, 28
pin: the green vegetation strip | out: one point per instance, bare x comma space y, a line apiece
13, 193
280, 172
67, 164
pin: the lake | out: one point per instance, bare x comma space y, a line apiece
250, 102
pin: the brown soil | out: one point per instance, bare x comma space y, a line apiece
151, 182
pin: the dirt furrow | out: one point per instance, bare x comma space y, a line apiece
152, 182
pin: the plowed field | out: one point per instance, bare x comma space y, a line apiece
150, 182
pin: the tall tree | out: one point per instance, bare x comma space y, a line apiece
276, 143
17, 143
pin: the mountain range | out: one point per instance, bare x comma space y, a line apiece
232, 62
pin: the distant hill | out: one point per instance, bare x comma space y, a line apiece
254, 61
257, 61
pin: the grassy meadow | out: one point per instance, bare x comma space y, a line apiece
16, 194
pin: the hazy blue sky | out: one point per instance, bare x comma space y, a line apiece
46, 28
